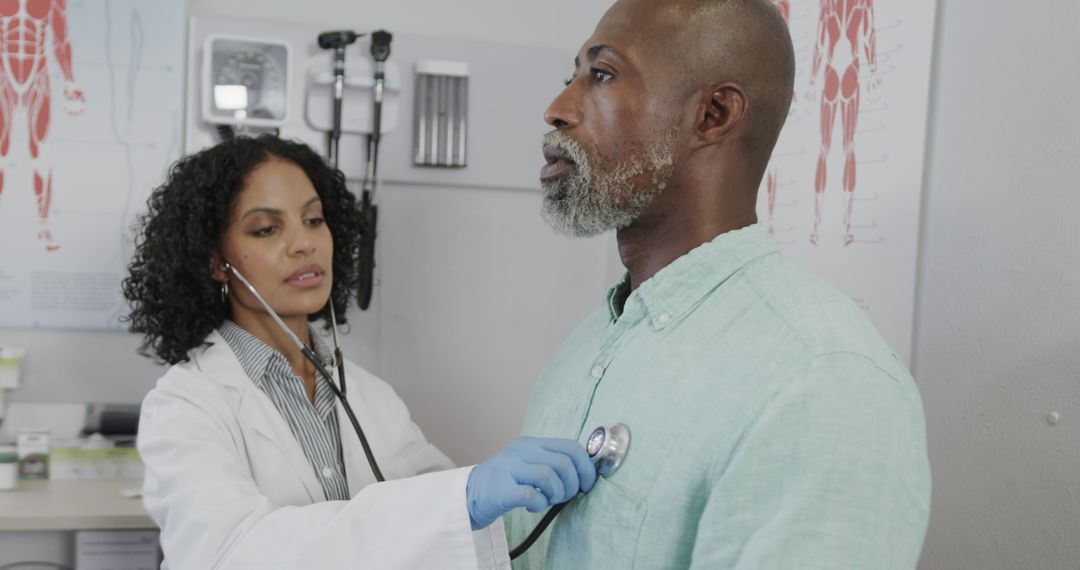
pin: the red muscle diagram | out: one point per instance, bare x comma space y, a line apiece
845, 40
24, 82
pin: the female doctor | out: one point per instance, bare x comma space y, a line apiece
250, 460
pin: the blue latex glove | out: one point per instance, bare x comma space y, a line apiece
531, 472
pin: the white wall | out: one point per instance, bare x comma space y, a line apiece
475, 291
467, 389
562, 24
997, 344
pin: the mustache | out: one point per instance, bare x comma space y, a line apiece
568, 146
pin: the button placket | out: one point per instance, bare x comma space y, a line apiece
616, 331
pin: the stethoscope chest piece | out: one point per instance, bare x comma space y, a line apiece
607, 447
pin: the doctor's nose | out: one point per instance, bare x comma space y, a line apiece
301, 243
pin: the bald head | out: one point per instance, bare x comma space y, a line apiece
684, 98
696, 44
744, 42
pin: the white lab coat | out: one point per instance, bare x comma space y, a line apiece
230, 487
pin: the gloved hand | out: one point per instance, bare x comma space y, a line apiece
531, 472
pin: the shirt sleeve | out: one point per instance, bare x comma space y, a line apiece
833, 474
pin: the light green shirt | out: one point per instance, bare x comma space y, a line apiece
772, 428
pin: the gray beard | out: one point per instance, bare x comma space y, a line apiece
592, 200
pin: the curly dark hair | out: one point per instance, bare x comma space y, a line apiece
175, 302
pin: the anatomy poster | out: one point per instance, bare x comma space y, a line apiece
842, 192
90, 118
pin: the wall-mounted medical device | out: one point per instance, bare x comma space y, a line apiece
442, 113
246, 81
358, 89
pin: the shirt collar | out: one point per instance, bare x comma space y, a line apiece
256, 356
682, 284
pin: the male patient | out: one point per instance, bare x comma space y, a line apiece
772, 427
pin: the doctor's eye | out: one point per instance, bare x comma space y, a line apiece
600, 76
264, 231
315, 221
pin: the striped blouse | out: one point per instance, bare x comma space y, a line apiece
315, 423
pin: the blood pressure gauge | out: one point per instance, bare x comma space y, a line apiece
245, 81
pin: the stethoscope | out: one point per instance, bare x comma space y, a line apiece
339, 360
607, 446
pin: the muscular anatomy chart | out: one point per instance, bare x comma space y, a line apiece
78, 161
842, 191
845, 37
24, 82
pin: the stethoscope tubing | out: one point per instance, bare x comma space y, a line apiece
310, 356
517, 551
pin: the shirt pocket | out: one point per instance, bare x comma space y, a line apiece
600, 530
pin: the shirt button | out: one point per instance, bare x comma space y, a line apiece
327, 472
664, 319
597, 372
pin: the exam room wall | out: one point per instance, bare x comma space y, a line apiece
482, 292
476, 291
997, 336
997, 344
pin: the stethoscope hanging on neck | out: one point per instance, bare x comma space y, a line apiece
607, 446
339, 391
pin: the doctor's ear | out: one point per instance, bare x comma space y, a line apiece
218, 267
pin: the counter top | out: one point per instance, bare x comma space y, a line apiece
72, 504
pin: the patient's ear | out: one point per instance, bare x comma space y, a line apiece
721, 110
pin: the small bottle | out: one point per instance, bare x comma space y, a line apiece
33, 451
9, 462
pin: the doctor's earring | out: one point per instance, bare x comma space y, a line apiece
224, 292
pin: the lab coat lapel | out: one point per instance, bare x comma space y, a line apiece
257, 411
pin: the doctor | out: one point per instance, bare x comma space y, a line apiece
250, 460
